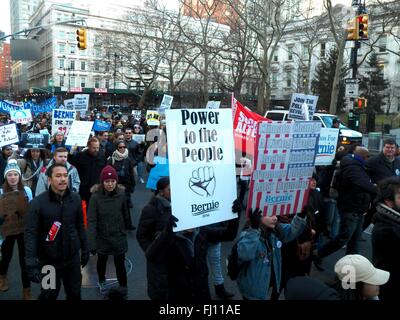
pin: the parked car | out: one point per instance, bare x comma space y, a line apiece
346, 135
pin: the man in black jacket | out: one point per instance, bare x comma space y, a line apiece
58, 249
89, 164
353, 202
386, 236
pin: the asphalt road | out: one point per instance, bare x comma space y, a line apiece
136, 266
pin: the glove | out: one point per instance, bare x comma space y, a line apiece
84, 259
255, 218
93, 252
237, 206
171, 222
34, 274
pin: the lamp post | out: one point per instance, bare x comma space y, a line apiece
116, 57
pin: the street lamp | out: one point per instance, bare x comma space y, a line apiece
116, 56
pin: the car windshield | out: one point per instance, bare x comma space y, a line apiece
328, 120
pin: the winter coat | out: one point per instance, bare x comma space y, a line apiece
30, 172
107, 217
385, 249
254, 279
379, 168
356, 187
3, 164
89, 168
73, 179
125, 173
132, 149
177, 263
44, 210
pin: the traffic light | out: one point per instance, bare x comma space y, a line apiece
361, 103
352, 30
81, 38
363, 27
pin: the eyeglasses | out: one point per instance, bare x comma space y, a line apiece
121, 147
137, 127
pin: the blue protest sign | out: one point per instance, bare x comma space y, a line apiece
160, 170
101, 125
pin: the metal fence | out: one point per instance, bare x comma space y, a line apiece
374, 141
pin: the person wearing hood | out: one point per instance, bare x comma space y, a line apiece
177, 262
107, 219
355, 192
386, 235
60, 156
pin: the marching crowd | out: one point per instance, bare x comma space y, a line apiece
62, 204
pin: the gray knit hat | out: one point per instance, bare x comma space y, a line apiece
12, 165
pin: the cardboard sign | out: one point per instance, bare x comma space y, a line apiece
81, 102
137, 114
213, 104
69, 104
101, 125
79, 133
62, 121
13, 209
152, 118
8, 134
21, 116
166, 103
284, 164
34, 140
201, 166
297, 109
139, 137
327, 144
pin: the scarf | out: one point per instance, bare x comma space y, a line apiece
118, 156
36, 172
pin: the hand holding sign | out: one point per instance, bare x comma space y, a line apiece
203, 181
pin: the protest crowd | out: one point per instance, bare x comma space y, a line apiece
67, 202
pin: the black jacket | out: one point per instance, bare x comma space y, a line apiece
89, 168
356, 187
177, 264
385, 249
132, 149
378, 167
44, 210
125, 173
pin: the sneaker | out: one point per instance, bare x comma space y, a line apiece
102, 287
141, 180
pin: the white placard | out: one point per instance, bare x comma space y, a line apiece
69, 104
81, 102
201, 166
328, 140
79, 133
139, 137
62, 120
296, 106
137, 114
166, 103
8, 134
152, 118
21, 116
213, 104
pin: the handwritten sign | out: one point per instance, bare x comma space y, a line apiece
62, 121
79, 133
81, 102
8, 134
300, 104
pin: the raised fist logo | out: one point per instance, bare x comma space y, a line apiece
203, 181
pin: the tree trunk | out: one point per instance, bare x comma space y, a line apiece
143, 97
336, 80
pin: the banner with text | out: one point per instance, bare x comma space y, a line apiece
101, 125
8, 134
300, 104
81, 102
22, 116
79, 133
201, 166
166, 103
327, 144
62, 121
284, 163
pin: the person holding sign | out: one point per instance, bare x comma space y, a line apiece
177, 262
13, 224
58, 142
260, 245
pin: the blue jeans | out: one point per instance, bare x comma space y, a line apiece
332, 217
214, 259
141, 169
350, 230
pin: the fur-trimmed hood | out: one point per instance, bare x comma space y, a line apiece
100, 188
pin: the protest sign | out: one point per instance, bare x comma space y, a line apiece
13, 209
201, 166
44, 131
213, 104
139, 137
161, 169
69, 104
46, 106
81, 102
34, 140
6, 106
152, 118
296, 109
79, 133
62, 121
101, 125
328, 140
8, 135
137, 114
166, 103
22, 116
284, 163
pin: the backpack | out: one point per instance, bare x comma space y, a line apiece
234, 267
335, 184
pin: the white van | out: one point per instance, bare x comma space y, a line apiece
346, 135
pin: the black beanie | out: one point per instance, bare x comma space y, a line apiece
162, 183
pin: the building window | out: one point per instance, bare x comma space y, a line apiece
107, 83
289, 79
72, 65
275, 57
83, 82
61, 48
72, 49
97, 83
290, 53
107, 67
274, 79
61, 35
83, 65
323, 50
382, 43
96, 66
72, 36
61, 81
72, 82
61, 64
